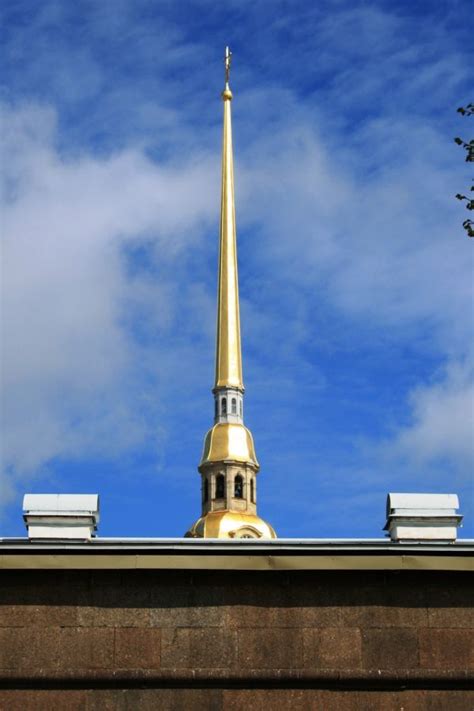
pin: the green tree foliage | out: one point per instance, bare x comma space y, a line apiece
469, 148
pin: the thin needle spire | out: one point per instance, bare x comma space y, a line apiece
228, 347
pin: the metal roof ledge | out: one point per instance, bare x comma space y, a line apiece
218, 554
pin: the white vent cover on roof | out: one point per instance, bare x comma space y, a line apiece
70, 516
422, 517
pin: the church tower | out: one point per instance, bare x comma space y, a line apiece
229, 466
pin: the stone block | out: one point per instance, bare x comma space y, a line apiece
188, 589
43, 700
80, 648
332, 648
262, 615
188, 616
188, 648
193, 600
266, 699
279, 648
57, 648
448, 590
383, 616
154, 700
38, 615
93, 616
17, 648
389, 648
448, 617
137, 648
446, 648
441, 700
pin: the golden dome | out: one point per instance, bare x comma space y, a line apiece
228, 442
230, 524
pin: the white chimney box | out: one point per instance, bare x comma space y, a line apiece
66, 516
422, 517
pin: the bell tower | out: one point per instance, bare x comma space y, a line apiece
228, 466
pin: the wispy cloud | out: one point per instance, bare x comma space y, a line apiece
442, 427
72, 370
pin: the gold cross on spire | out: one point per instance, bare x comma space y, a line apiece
227, 62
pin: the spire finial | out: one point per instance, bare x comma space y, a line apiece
227, 94
227, 63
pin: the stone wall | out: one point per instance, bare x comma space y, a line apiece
231, 640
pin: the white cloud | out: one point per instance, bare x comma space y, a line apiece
71, 376
373, 230
383, 244
442, 427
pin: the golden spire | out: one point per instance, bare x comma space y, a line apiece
228, 465
228, 349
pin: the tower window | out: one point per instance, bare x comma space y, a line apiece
240, 407
252, 490
216, 409
220, 486
205, 494
238, 487
234, 406
224, 406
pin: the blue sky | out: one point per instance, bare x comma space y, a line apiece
355, 273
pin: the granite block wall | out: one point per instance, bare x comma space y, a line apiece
231, 640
